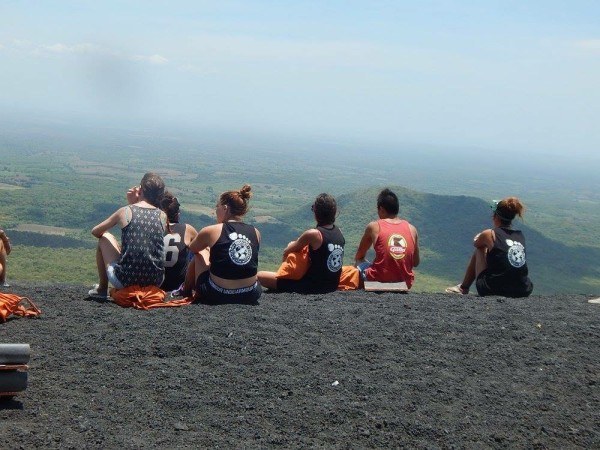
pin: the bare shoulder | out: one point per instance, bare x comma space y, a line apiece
484, 239
190, 229
312, 232
413, 231
373, 226
211, 229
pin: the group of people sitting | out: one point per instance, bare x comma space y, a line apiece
219, 263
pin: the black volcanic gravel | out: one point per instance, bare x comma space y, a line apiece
340, 370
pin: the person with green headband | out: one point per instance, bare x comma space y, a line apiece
498, 265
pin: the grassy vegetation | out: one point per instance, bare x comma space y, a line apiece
70, 182
57, 265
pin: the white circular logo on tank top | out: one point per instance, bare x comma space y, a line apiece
516, 253
335, 258
240, 250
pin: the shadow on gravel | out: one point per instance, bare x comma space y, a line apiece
87, 298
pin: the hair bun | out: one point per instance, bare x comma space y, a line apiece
245, 192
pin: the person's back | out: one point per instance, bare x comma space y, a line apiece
326, 261
498, 265
235, 254
395, 242
226, 260
325, 245
507, 273
394, 253
142, 253
176, 257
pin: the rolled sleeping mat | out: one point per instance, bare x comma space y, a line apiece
14, 353
12, 381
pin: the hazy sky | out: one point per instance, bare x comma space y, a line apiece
519, 74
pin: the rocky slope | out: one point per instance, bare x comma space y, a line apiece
341, 370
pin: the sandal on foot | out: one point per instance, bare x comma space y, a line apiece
95, 293
456, 290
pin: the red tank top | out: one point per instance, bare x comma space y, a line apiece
394, 251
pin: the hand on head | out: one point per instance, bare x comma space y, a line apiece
133, 195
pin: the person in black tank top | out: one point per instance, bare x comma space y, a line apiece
226, 260
499, 265
325, 250
179, 274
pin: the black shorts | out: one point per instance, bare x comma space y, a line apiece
485, 286
303, 286
208, 292
481, 284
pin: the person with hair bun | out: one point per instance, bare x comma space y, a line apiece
325, 252
177, 253
226, 260
139, 260
498, 265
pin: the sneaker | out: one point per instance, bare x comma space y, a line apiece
95, 293
456, 290
5, 284
179, 292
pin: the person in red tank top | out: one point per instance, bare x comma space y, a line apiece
395, 241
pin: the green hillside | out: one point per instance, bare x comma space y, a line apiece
446, 226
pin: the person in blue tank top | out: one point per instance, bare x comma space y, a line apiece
226, 260
325, 250
498, 265
139, 260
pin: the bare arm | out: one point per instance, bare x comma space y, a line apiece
206, 237
310, 237
190, 234
366, 242
416, 255
6, 241
485, 239
257, 235
118, 217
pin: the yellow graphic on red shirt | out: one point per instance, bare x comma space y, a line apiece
397, 246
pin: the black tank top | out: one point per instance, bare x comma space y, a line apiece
176, 257
507, 272
235, 254
326, 262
